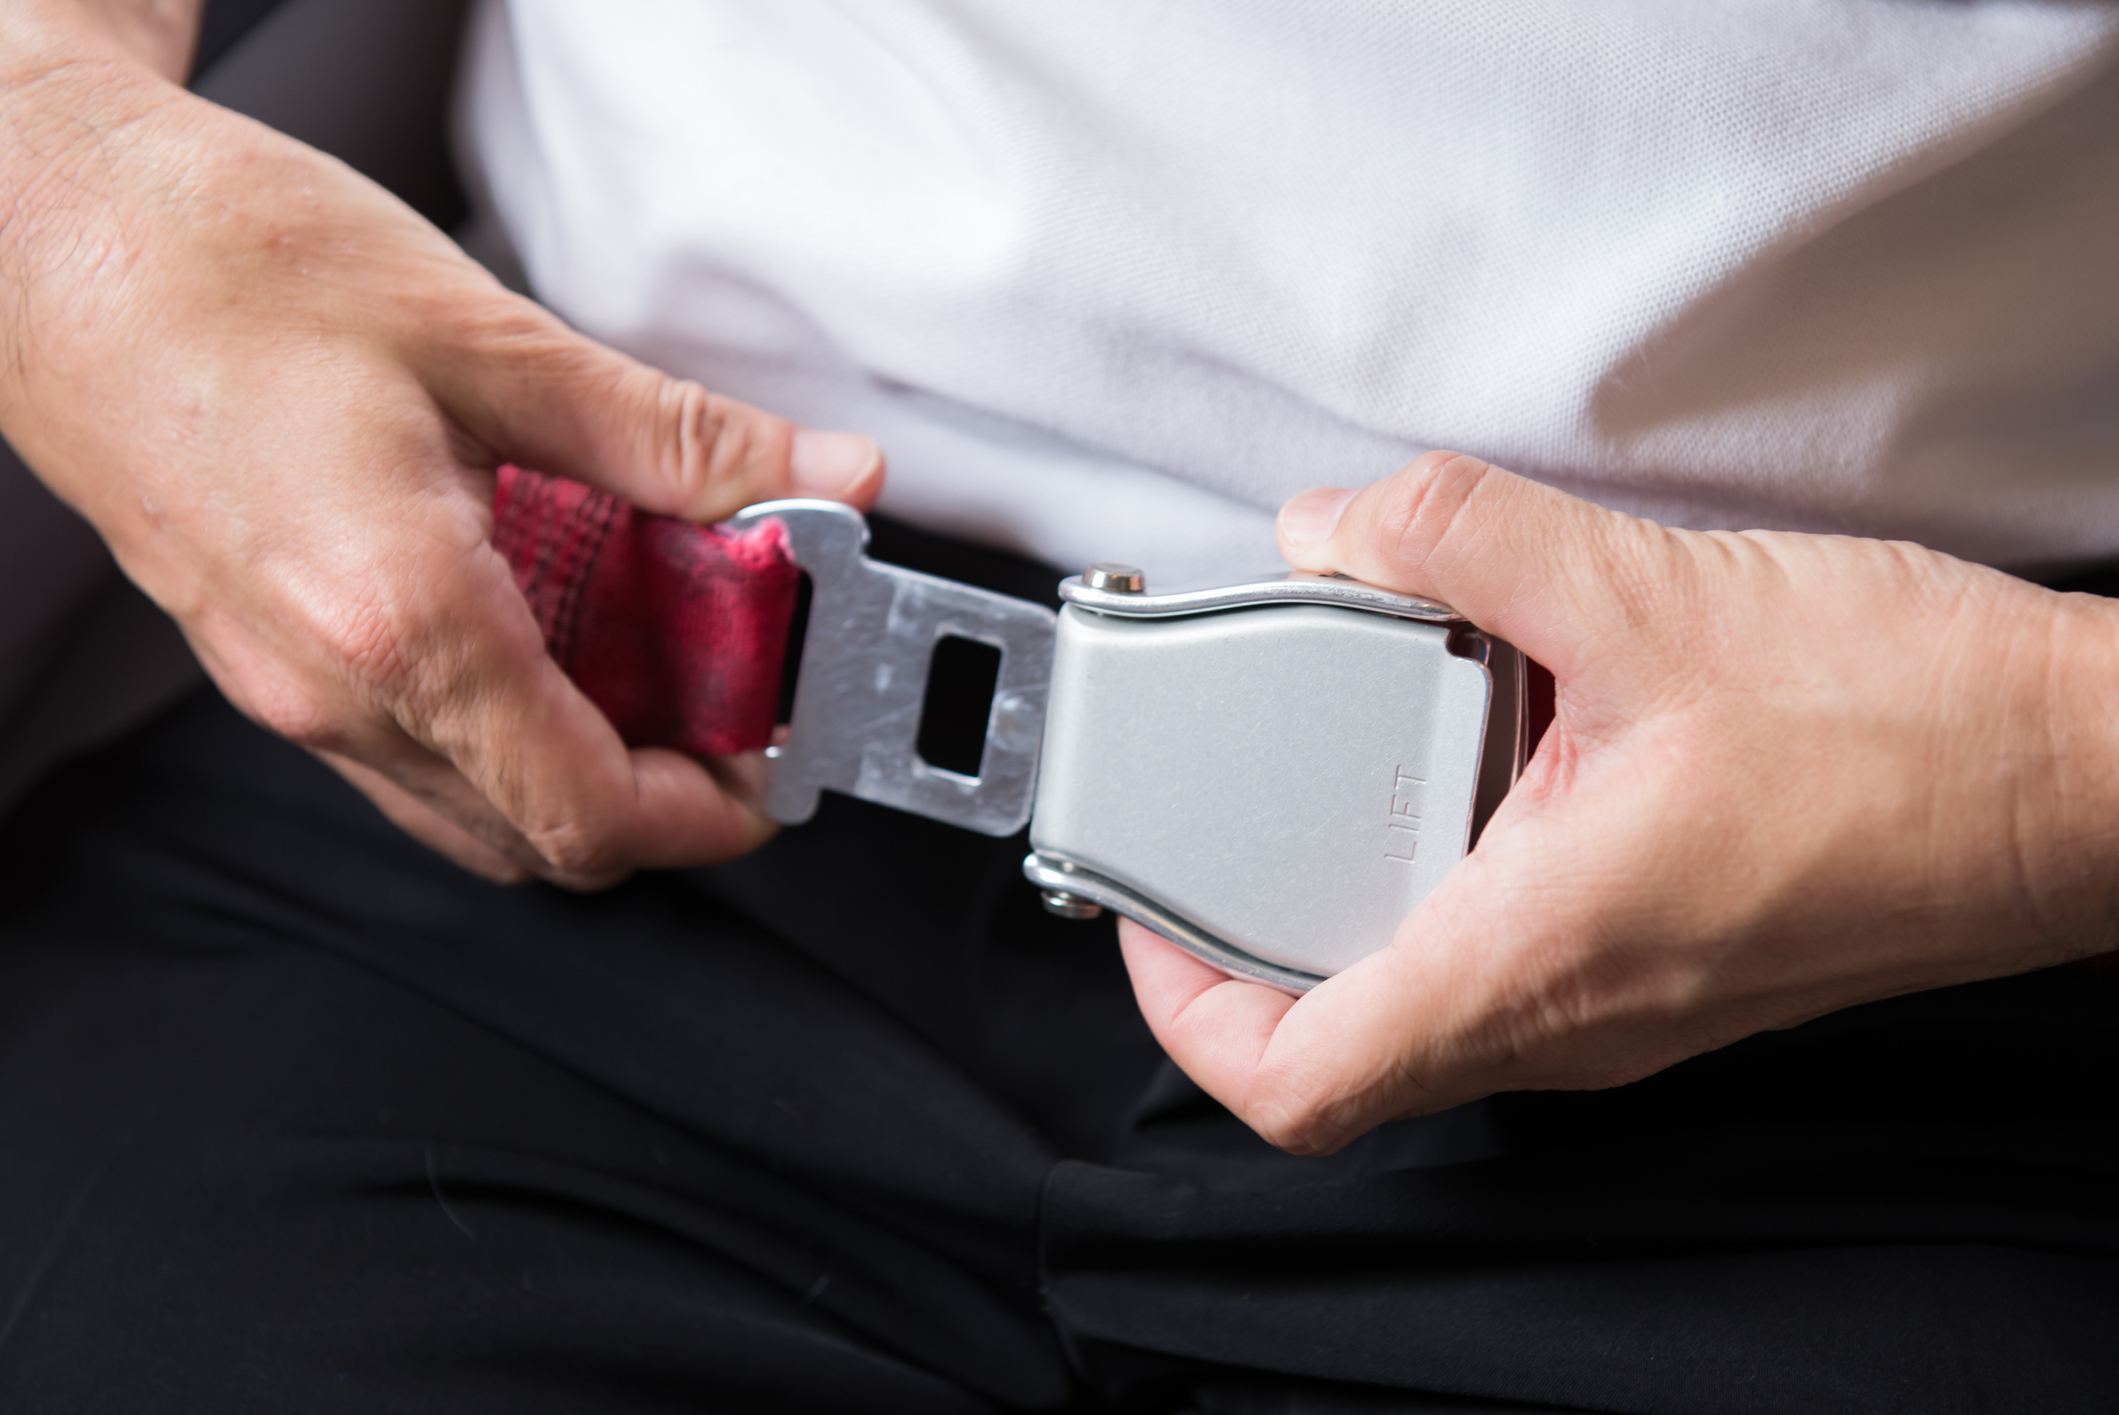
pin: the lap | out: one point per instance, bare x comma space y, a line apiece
298, 1116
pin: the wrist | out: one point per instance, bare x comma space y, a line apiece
155, 37
85, 166
66, 86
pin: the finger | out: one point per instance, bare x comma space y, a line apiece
485, 696
541, 395
1200, 1014
1529, 967
412, 786
1309, 1074
380, 754
592, 810
1430, 1022
430, 827
440, 805
1544, 570
747, 776
688, 814
1224, 1034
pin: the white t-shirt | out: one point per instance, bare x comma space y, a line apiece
1108, 280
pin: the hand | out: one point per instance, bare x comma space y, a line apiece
279, 394
1787, 774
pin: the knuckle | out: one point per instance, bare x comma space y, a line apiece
388, 653
300, 716
722, 449
1297, 1111
1295, 1129
1425, 507
401, 661
282, 686
366, 639
692, 424
580, 852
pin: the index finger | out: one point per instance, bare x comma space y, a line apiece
1545, 570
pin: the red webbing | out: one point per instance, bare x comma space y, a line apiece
676, 631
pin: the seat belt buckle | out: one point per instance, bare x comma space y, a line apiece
1271, 773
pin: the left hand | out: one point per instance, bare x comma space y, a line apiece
279, 395
1787, 774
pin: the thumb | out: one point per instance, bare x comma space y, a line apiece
552, 399
1547, 571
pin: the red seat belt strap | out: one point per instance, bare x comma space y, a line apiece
676, 631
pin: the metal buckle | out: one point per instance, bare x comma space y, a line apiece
1271, 773
1266, 779
863, 676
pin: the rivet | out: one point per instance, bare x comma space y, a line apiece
1118, 579
1069, 906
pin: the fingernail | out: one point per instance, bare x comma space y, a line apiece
828, 463
1311, 516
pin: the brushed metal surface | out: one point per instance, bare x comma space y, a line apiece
1055, 875
1273, 587
863, 678
1291, 779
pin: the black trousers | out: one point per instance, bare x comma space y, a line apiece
294, 1116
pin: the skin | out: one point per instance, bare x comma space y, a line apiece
1788, 773
280, 395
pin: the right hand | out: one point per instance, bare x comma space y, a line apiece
1786, 774
280, 395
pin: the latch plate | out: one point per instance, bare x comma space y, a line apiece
863, 677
